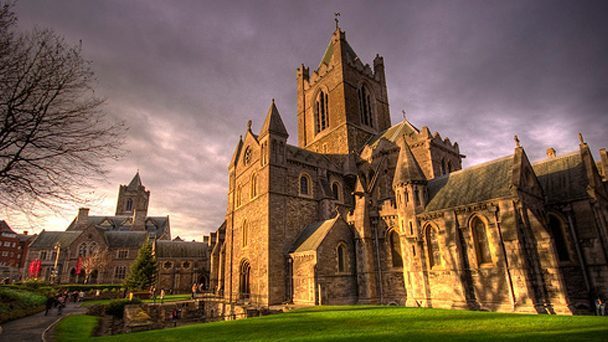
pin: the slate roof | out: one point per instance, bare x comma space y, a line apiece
4, 227
562, 178
312, 236
181, 249
48, 239
476, 184
404, 128
125, 239
155, 225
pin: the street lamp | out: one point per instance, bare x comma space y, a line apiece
55, 273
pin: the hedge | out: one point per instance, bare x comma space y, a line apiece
16, 303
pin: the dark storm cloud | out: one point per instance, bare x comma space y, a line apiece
187, 75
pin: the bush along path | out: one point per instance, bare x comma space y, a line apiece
32, 327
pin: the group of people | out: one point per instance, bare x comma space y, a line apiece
61, 299
153, 294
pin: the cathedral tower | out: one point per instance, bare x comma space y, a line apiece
343, 103
133, 201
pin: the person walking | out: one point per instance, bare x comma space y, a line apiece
162, 295
60, 304
49, 305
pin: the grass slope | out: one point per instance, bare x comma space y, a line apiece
359, 323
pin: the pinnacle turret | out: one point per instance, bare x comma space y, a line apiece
273, 122
407, 170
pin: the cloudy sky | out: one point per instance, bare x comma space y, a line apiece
187, 75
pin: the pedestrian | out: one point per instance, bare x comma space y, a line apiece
60, 304
603, 308
194, 287
162, 295
80, 296
153, 293
598, 306
49, 305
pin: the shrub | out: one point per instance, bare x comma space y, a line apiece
16, 303
116, 307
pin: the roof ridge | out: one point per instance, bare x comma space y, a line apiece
561, 156
476, 166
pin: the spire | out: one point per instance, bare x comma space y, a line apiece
407, 170
273, 122
338, 43
135, 182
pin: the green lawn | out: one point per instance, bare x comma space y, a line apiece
364, 323
168, 298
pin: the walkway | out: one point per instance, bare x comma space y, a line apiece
30, 328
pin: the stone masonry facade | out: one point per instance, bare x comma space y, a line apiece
364, 211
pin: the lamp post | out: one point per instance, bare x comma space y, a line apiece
57, 249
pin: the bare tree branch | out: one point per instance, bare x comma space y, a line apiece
54, 135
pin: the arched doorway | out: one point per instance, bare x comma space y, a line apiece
203, 281
72, 276
245, 277
93, 277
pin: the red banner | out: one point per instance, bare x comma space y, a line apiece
78, 265
34, 268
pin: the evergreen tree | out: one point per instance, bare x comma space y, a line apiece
143, 270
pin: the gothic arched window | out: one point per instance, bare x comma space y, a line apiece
443, 167
245, 233
321, 112
247, 157
433, 247
82, 250
305, 185
335, 189
245, 275
450, 168
239, 195
341, 251
92, 248
365, 106
482, 245
556, 227
254, 185
129, 205
395, 245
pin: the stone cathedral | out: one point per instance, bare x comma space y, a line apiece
366, 211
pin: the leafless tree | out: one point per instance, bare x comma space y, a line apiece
96, 260
54, 135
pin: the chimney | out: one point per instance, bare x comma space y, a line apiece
83, 216
139, 219
206, 239
25, 232
551, 152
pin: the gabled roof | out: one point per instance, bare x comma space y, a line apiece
125, 239
48, 239
393, 133
312, 236
181, 249
562, 178
480, 183
156, 226
273, 122
4, 227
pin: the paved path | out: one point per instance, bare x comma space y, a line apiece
30, 328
